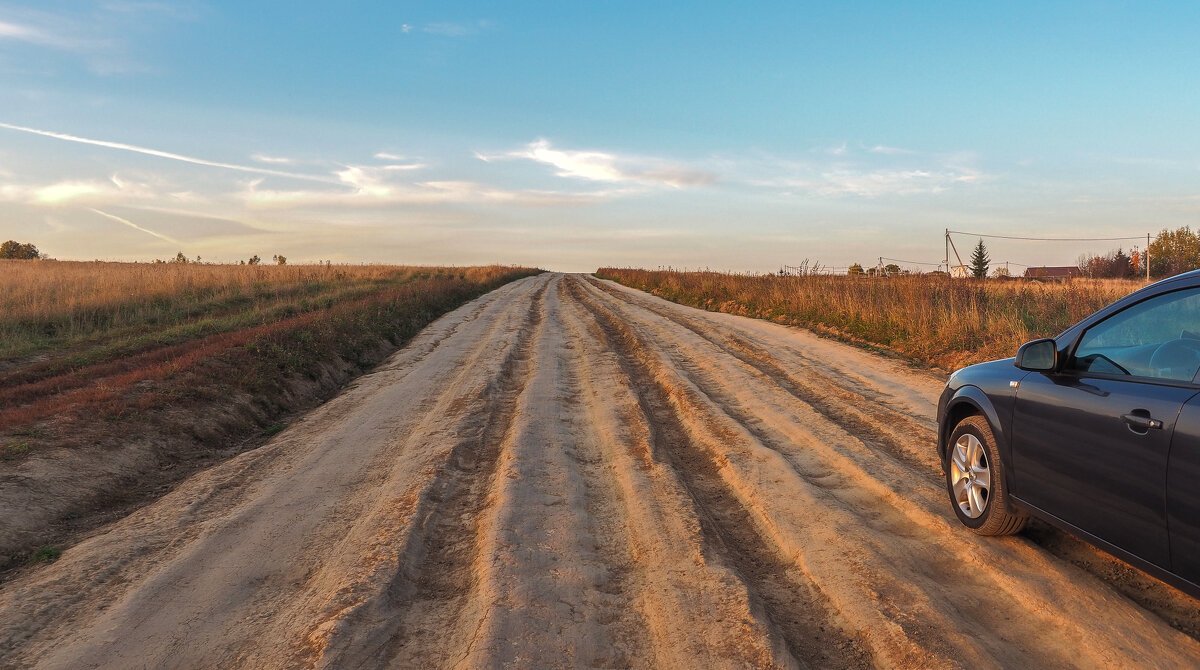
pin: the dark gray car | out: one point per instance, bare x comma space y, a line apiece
1096, 431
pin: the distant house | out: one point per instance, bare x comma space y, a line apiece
961, 271
1050, 272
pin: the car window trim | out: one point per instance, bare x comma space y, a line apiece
1139, 379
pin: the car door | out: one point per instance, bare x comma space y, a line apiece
1183, 493
1091, 441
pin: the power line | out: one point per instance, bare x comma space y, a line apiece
1049, 239
897, 260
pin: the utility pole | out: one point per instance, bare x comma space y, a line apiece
950, 245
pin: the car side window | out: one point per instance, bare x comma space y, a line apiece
1159, 338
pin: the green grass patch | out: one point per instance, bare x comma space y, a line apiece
44, 554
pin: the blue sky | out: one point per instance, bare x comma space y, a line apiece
571, 135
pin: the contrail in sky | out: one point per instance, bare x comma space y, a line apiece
135, 226
164, 154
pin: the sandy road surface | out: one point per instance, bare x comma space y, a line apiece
567, 473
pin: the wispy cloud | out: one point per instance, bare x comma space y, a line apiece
167, 155
135, 226
373, 192
93, 192
876, 183
19, 32
606, 167
889, 151
104, 35
45, 36
874, 172
66, 191
272, 160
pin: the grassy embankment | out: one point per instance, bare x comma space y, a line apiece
933, 320
96, 352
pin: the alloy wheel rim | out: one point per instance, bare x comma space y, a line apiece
970, 476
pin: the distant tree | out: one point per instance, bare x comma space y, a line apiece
979, 261
279, 260
254, 260
1113, 265
16, 250
854, 270
1001, 272
1174, 251
1136, 269
891, 269
180, 258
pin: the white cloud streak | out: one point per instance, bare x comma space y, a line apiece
168, 155
606, 167
41, 37
134, 226
273, 160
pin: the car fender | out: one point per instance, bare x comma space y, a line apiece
968, 400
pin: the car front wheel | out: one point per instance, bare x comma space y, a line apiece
976, 480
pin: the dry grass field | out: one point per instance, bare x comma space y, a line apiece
932, 319
190, 361
104, 339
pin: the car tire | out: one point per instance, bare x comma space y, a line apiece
977, 481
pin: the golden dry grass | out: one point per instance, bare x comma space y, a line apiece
52, 305
932, 319
87, 341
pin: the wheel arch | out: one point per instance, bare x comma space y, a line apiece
970, 401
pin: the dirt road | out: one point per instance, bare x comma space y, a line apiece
568, 473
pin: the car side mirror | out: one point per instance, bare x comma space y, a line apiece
1038, 356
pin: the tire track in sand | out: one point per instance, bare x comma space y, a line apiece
424, 613
858, 411
795, 608
927, 599
864, 412
553, 568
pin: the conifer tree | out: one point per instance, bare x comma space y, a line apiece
979, 261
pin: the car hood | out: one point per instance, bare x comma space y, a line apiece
973, 374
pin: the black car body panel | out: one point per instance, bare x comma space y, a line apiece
1099, 446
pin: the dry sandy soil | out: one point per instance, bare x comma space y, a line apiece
568, 473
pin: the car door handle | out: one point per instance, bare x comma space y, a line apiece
1140, 422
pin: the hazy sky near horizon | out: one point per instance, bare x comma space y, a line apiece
572, 135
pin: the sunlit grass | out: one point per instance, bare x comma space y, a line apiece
933, 319
86, 341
